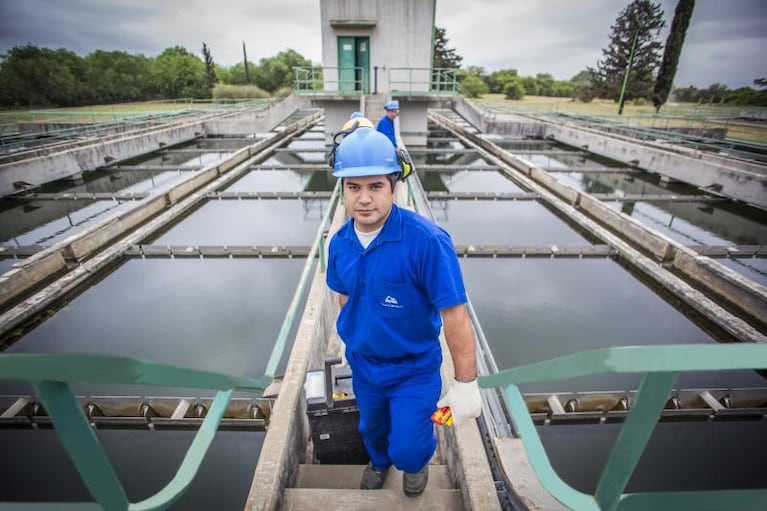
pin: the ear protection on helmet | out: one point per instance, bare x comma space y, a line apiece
405, 163
331, 156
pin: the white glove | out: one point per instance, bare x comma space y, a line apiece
463, 399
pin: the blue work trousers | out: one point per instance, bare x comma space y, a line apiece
396, 399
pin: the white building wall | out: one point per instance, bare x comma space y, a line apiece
400, 33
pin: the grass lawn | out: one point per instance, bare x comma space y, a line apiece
671, 115
103, 113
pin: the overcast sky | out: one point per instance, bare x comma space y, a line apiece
725, 43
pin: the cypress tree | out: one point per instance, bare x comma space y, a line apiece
210, 69
665, 80
444, 57
641, 19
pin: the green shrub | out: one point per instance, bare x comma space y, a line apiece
514, 90
283, 92
474, 86
224, 91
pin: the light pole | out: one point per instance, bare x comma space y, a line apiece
628, 70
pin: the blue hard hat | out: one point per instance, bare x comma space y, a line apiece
392, 105
365, 152
354, 115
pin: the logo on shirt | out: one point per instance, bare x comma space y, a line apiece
392, 302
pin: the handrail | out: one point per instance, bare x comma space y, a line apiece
50, 376
356, 80
661, 365
322, 79
422, 80
287, 324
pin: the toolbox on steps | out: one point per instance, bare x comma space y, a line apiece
333, 416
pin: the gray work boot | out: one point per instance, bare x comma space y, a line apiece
414, 484
373, 478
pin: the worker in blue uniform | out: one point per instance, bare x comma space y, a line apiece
386, 123
399, 282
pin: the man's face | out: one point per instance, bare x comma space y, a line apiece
392, 114
368, 201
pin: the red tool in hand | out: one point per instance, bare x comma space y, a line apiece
443, 416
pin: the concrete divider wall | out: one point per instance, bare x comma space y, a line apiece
563, 190
726, 179
509, 125
71, 162
255, 121
78, 248
655, 243
732, 286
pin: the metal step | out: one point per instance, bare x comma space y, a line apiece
300, 499
348, 477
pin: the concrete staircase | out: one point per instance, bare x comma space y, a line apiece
374, 106
337, 487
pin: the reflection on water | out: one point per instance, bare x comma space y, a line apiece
537, 309
272, 181
681, 456
482, 182
69, 218
503, 223
691, 223
751, 267
249, 222
36, 468
219, 315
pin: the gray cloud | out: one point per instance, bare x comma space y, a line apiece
560, 37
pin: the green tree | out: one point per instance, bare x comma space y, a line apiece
642, 20
545, 84
444, 57
210, 70
671, 52
112, 76
514, 89
474, 86
40, 76
583, 86
497, 80
715, 93
235, 75
176, 73
273, 73
531, 86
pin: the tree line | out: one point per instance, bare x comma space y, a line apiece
34, 76
633, 46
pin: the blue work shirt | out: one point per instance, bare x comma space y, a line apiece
396, 287
386, 126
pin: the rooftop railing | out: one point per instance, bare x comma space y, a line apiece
357, 80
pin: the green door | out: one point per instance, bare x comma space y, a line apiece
363, 63
346, 63
354, 64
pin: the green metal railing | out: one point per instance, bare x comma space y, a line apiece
342, 80
50, 375
661, 365
423, 80
356, 80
